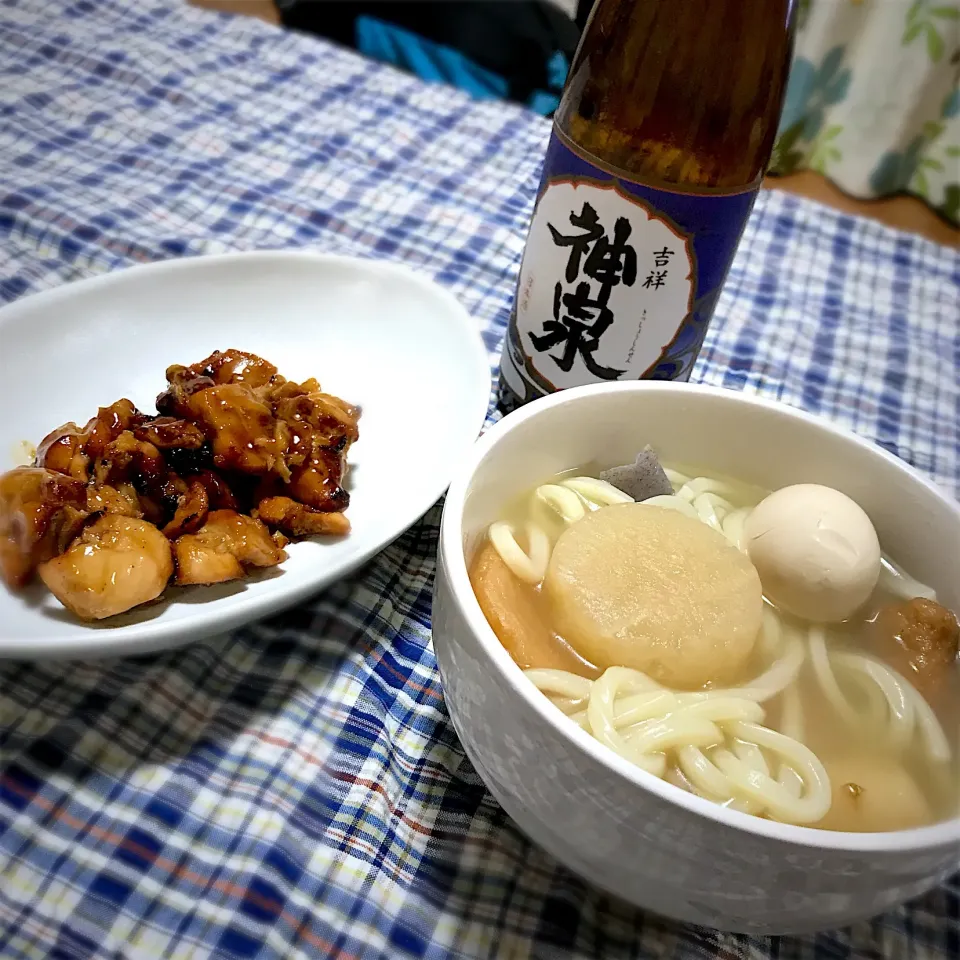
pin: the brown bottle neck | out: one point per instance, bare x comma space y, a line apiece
681, 92
646, 180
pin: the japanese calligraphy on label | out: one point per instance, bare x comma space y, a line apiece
619, 279
604, 286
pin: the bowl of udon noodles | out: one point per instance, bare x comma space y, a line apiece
702, 649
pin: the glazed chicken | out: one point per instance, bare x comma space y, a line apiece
299, 520
116, 563
224, 547
63, 451
237, 461
245, 435
40, 513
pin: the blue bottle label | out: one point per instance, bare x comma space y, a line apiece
619, 279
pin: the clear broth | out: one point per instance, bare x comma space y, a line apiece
939, 784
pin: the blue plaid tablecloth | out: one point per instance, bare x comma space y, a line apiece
295, 789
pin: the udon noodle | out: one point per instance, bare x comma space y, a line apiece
716, 742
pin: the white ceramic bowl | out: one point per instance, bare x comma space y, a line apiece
625, 830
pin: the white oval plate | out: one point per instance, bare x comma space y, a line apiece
373, 333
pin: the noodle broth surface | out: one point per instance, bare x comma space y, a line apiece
886, 770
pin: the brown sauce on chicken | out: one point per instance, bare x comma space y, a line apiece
237, 461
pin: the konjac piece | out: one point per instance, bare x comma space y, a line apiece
223, 547
115, 564
40, 512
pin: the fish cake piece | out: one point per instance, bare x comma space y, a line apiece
513, 611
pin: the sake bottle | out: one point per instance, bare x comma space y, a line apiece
658, 149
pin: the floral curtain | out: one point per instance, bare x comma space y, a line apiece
873, 101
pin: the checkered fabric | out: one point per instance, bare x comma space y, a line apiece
295, 789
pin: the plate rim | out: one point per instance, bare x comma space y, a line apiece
152, 636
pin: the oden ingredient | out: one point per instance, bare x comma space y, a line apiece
510, 607
664, 601
639, 586
816, 551
922, 637
872, 793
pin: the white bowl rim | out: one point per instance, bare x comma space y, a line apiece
451, 544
